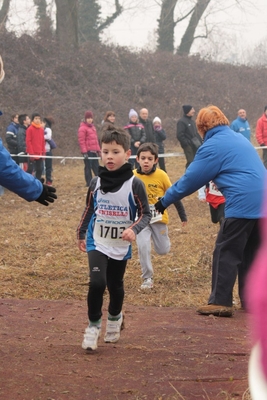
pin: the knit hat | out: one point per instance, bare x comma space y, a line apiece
156, 119
265, 108
187, 108
88, 114
132, 113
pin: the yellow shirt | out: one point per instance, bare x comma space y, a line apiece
156, 185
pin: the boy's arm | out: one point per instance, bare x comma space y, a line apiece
181, 210
144, 215
88, 211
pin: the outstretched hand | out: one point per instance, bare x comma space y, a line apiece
47, 196
159, 207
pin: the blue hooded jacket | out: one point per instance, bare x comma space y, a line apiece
231, 162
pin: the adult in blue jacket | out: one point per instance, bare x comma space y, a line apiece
20, 182
232, 163
240, 124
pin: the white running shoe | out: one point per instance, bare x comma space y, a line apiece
90, 338
113, 330
147, 284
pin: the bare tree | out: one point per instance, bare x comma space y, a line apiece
189, 35
167, 21
43, 19
3, 13
90, 22
167, 24
67, 23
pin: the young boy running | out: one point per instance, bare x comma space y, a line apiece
113, 198
156, 182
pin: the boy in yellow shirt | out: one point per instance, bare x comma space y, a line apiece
156, 182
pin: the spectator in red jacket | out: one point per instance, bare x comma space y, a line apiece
35, 146
89, 145
261, 134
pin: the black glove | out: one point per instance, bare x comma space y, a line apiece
85, 155
262, 145
159, 207
47, 196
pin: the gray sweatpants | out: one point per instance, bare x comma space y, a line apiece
158, 232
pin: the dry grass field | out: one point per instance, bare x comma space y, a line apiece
39, 257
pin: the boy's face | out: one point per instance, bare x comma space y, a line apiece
27, 121
146, 161
114, 156
133, 118
112, 118
37, 120
156, 124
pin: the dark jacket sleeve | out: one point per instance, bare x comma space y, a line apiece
160, 135
11, 140
143, 211
21, 141
181, 133
143, 136
88, 211
181, 210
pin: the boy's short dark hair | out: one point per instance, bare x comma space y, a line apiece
118, 135
35, 115
152, 147
22, 118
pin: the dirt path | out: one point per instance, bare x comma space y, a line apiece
164, 353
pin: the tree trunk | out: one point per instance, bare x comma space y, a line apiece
188, 38
3, 13
43, 20
166, 26
67, 24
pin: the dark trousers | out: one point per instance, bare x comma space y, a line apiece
162, 163
189, 153
236, 245
48, 167
264, 157
37, 166
105, 272
16, 159
133, 161
217, 214
89, 166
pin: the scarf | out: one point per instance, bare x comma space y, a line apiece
36, 125
110, 180
139, 171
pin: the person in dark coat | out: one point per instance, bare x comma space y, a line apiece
187, 134
137, 133
24, 122
11, 136
147, 124
160, 136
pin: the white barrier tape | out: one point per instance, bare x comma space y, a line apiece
63, 158
89, 158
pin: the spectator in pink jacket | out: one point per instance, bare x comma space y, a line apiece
89, 145
261, 134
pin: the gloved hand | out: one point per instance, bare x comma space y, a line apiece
262, 145
159, 207
47, 196
85, 155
